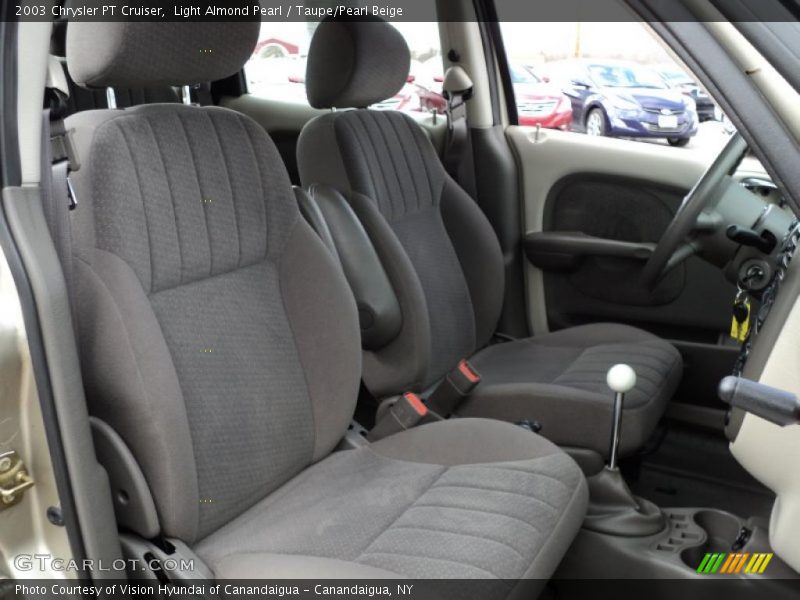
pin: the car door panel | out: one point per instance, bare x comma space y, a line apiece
609, 187
628, 210
621, 195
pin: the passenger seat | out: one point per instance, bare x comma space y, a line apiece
219, 341
445, 264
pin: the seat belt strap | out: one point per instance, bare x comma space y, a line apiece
457, 134
57, 193
202, 94
457, 89
59, 158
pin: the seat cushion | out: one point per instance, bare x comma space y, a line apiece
465, 498
559, 379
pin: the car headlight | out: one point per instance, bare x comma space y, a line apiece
689, 103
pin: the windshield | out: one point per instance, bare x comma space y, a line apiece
676, 78
522, 75
626, 76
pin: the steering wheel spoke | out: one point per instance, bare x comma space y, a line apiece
709, 221
693, 216
683, 253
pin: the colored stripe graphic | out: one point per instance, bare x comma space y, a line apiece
732, 563
711, 562
727, 566
704, 563
755, 562
767, 558
740, 563
715, 567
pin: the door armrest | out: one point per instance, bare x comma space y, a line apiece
566, 250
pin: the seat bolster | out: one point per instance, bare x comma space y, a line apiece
465, 441
584, 336
403, 364
479, 254
313, 289
319, 158
266, 565
132, 385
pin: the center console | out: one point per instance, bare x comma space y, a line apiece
626, 537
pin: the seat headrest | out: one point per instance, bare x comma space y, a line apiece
148, 54
355, 63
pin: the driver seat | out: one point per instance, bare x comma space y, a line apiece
445, 264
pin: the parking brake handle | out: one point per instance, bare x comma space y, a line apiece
774, 405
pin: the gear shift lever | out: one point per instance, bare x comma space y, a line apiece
621, 379
613, 509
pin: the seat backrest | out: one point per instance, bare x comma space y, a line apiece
396, 183
217, 334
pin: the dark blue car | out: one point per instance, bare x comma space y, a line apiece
624, 99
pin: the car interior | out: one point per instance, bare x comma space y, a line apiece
320, 339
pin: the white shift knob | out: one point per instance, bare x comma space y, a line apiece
621, 378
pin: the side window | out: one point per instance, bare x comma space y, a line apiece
609, 79
277, 68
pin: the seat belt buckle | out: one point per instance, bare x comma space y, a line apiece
62, 146
457, 385
73, 198
466, 377
403, 412
63, 151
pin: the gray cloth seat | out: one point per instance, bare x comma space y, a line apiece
220, 341
460, 499
565, 372
445, 263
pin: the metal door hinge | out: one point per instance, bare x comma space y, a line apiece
14, 478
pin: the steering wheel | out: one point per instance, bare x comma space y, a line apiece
673, 248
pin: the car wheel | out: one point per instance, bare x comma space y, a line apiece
680, 142
596, 122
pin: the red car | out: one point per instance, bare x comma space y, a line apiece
539, 103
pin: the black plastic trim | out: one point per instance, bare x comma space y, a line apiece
485, 12
498, 46
233, 86
10, 171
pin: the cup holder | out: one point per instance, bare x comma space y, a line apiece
722, 530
